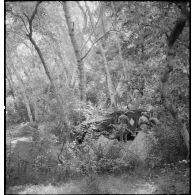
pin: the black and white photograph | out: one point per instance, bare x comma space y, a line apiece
97, 97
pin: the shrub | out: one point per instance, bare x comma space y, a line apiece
12, 116
92, 185
30, 163
76, 117
170, 145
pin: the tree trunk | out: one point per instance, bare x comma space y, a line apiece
61, 65
60, 106
119, 48
11, 84
73, 78
35, 110
185, 135
23, 92
9, 79
34, 97
80, 64
177, 30
109, 81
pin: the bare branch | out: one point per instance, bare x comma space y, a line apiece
98, 40
22, 22
26, 16
35, 11
94, 44
91, 33
33, 16
84, 14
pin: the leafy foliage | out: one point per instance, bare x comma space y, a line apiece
128, 46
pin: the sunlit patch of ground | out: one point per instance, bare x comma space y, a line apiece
69, 188
109, 185
16, 131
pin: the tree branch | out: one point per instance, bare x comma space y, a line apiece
179, 26
32, 17
35, 11
22, 22
84, 14
177, 30
26, 16
94, 44
90, 34
172, 38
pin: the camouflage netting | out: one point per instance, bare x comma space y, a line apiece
107, 125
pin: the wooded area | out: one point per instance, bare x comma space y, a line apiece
97, 88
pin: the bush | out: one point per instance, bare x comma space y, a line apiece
12, 116
29, 162
92, 185
76, 117
170, 146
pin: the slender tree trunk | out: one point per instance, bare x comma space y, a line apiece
23, 92
9, 79
11, 84
65, 130
33, 98
72, 82
59, 103
185, 135
119, 48
80, 64
60, 106
35, 109
61, 65
109, 81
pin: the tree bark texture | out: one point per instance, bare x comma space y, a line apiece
119, 47
29, 35
60, 106
80, 64
109, 81
171, 39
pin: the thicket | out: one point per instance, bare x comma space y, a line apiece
137, 57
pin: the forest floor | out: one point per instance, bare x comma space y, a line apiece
172, 179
